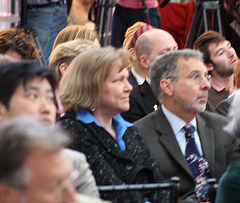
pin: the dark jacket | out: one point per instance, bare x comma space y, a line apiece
109, 164
142, 102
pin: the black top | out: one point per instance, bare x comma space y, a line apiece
109, 164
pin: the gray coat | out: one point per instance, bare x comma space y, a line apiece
219, 148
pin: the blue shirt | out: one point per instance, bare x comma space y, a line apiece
119, 125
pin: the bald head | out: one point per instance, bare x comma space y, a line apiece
154, 43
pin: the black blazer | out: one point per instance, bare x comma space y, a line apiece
110, 165
142, 102
224, 106
219, 148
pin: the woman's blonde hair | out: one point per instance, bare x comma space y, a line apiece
83, 85
75, 32
67, 51
130, 32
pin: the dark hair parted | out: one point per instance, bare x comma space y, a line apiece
16, 73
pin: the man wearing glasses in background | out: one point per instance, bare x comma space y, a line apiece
186, 141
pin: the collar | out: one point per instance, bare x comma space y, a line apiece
176, 122
119, 124
140, 79
220, 87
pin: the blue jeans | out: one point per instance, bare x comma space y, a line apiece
48, 22
126, 17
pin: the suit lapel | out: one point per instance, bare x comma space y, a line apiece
168, 140
207, 143
150, 101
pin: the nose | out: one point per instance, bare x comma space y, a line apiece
231, 52
205, 84
69, 195
45, 106
128, 86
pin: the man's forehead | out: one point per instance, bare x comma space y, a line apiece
37, 83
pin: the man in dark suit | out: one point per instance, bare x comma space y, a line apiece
181, 82
149, 45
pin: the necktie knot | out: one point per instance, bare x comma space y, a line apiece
189, 131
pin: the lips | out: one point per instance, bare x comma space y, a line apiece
234, 61
46, 121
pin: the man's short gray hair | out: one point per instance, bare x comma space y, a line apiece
18, 137
166, 65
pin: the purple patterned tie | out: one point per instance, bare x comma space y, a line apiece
198, 165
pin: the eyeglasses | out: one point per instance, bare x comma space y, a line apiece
196, 77
69, 182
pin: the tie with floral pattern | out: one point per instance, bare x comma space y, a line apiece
198, 164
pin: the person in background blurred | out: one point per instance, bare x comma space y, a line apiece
47, 18
136, 73
95, 92
4, 58
220, 59
129, 12
75, 32
229, 184
224, 105
18, 44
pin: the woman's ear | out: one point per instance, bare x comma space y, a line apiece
63, 67
166, 86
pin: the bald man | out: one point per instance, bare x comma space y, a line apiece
149, 46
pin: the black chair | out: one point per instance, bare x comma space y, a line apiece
172, 186
212, 189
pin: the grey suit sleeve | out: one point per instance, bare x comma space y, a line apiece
86, 183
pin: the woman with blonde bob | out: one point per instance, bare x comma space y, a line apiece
95, 92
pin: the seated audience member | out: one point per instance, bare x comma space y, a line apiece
229, 184
95, 92
18, 44
79, 12
186, 141
34, 167
27, 88
223, 106
64, 53
61, 58
4, 58
148, 46
220, 59
137, 74
75, 32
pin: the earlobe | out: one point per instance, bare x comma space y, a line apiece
209, 66
166, 86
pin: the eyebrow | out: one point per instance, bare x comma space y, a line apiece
38, 89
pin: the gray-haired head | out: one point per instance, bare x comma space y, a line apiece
18, 137
233, 126
167, 65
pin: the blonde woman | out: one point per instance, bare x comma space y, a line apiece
95, 92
